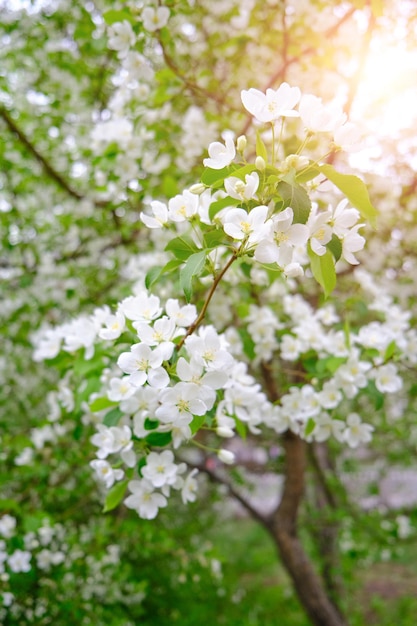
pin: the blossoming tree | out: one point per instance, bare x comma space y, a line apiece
186, 250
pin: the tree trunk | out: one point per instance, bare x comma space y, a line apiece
283, 528
326, 531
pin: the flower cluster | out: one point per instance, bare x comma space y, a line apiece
58, 556
172, 377
163, 396
47, 542
263, 207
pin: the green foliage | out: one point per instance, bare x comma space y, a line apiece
323, 270
83, 152
354, 189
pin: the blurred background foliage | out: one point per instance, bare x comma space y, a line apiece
69, 242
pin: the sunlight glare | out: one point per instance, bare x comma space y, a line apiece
387, 94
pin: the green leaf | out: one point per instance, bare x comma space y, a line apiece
152, 276
218, 205
261, 148
141, 464
323, 270
310, 426
115, 495
375, 395
193, 267
155, 273
330, 364
9, 505
159, 439
242, 171
85, 368
390, 351
354, 189
335, 247
214, 178
99, 404
182, 247
241, 428
307, 174
112, 417
151, 424
297, 198
113, 16
196, 424
213, 238
248, 343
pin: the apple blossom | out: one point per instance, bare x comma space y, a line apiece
159, 218
320, 230
352, 242
140, 308
120, 389
155, 18
189, 489
144, 364
285, 236
183, 206
273, 104
182, 400
160, 468
105, 473
19, 561
220, 155
387, 379
240, 190
250, 227
318, 117
356, 431
144, 499
121, 37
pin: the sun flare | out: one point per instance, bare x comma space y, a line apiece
387, 93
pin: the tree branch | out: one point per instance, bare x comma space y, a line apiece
221, 480
210, 294
49, 169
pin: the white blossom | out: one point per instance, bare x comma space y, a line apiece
155, 18
270, 106
220, 155
356, 431
144, 500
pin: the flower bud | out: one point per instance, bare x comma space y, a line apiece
226, 456
260, 164
225, 431
198, 188
241, 144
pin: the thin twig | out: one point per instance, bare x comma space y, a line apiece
210, 294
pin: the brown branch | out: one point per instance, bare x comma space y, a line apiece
210, 294
221, 480
49, 169
320, 607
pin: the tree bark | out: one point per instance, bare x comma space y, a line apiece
327, 531
283, 528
